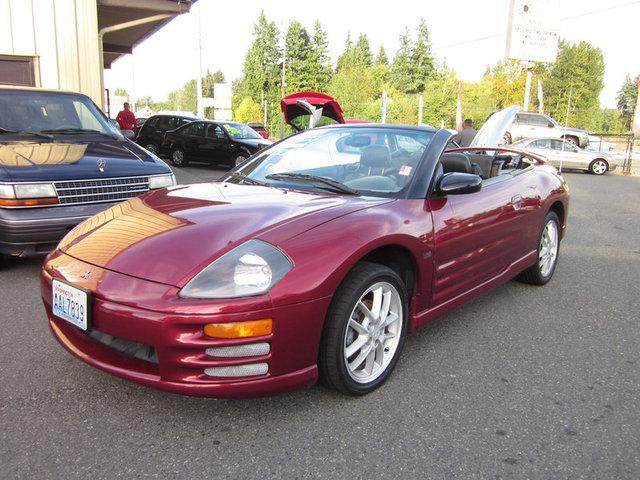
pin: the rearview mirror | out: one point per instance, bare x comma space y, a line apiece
457, 183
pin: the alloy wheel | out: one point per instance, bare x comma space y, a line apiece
152, 148
373, 332
548, 250
177, 157
599, 167
239, 159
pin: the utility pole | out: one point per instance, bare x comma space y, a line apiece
282, 84
527, 85
199, 106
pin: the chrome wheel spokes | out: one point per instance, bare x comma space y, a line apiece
373, 332
599, 167
548, 249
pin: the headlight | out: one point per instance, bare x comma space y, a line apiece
252, 268
27, 194
34, 190
161, 181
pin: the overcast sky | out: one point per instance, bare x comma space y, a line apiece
169, 59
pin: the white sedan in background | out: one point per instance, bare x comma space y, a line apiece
563, 154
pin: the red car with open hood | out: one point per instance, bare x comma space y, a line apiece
313, 258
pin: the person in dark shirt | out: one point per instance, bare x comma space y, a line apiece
467, 134
126, 119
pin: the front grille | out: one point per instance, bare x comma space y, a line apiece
101, 190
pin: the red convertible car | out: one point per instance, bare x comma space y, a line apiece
313, 258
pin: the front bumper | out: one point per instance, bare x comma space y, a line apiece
179, 342
36, 231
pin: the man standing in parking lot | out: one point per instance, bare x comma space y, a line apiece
126, 119
467, 134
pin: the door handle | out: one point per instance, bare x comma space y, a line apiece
517, 202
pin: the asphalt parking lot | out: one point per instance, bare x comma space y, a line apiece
524, 382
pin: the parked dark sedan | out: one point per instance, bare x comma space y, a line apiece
227, 143
151, 131
61, 161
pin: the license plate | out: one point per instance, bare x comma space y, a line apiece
71, 304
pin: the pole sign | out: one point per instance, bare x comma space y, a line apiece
532, 31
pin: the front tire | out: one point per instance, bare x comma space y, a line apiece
364, 330
598, 167
548, 250
506, 138
573, 141
179, 158
238, 159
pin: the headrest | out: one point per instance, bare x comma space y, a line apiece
455, 162
375, 156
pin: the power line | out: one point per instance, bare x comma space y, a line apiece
572, 17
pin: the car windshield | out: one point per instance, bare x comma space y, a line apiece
240, 131
372, 161
51, 112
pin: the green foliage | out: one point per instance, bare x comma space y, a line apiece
627, 99
120, 92
248, 111
299, 57
413, 64
579, 70
320, 61
381, 58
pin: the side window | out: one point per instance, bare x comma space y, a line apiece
164, 123
540, 120
196, 129
524, 119
151, 123
215, 131
409, 144
183, 121
544, 143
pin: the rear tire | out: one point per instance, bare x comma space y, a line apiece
179, 158
152, 147
507, 138
548, 250
364, 330
573, 141
598, 167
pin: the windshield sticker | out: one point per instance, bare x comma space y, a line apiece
405, 170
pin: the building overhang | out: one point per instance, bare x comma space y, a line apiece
123, 24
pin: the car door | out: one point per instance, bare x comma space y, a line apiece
192, 138
480, 235
213, 147
570, 155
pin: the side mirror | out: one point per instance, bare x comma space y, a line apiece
457, 183
550, 125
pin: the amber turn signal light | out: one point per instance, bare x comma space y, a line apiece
27, 202
253, 328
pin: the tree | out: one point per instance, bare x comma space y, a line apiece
320, 62
401, 70
421, 59
381, 58
626, 100
261, 70
362, 52
345, 58
299, 58
120, 92
261, 65
579, 71
248, 111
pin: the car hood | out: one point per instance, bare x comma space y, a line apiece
59, 160
492, 132
314, 104
169, 235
